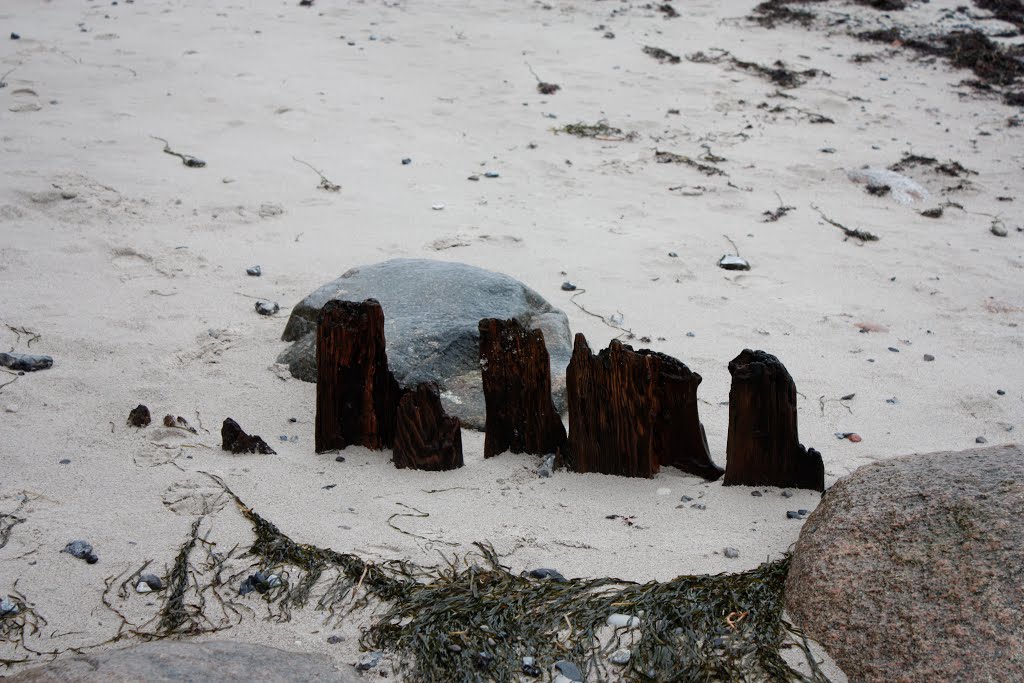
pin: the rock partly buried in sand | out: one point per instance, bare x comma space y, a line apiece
174, 662
909, 569
431, 313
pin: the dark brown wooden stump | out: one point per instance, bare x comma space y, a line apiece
763, 447
426, 438
632, 411
521, 416
234, 439
356, 395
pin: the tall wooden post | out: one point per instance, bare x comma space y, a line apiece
521, 416
356, 395
764, 447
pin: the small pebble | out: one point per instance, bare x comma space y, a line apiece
690, 334
293, 419
827, 150
267, 307
490, 174
473, 178
998, 229
686, 499
787, 494
731, 553
406, 161
620, 657
15, 36
11, 408
756, 494
855, 438
981, 439
671, 254
8, 608
569, 670
623, 621
544, 574
339, 458
438, 207
894, 349
929, 357
998, 391
369, 660
568, 287
547, 468
65, 461
335, 639
802, 512
255, 271
149, 582
793, 514
699, 506
733, 262
82, 550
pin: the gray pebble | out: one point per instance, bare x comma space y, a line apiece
929, 357
672, 254
733, 262
8, 608
64, 461
731, 553
25, 362
802, 512
1000, 392
339, 458
11, 408
699, 506
568, 287
255, 271
620, 657
547, 575
151, 580
894, 349
82, 550
787, 494
369, 660
267, 307
756, 494
793, 514
981, 439
690, 334
998, 229
406, 161
335, 639
686, 499
569, 670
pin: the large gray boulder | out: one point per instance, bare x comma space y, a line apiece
431, 313
913, 569
182, 661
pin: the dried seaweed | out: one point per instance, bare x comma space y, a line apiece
953, 169
1010, 11
661, 55
862, 235
672, 158
774, 12
778, 73
598, 131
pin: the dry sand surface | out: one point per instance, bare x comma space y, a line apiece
130, 267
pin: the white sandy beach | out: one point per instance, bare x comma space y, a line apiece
130, 267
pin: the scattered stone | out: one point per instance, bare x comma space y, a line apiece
547, 575
237, 441
335, 639
623, 621
980, 439
731, 553
437, 207
802, 512
473, 178
928, 545
620, 657
139, 416
793, 514
82, 550
786, 494
172, 661
685, 499
929, 357
151, 581
339, 458
260, 582
11, 408
406, 161
255, 271
699, 506
998, 229
267, 307
1000, 392
432, 311
15, 36
690, 334
64, 461
547, 468
568, 287
25, 362
671, 254
530, 668
491, 174
733, 262
8, 608
827, 150
569, 670
894, 349
756, 494
369, 660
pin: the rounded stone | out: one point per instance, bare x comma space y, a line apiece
909, 569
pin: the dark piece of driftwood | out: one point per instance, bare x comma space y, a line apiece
425, 437
356, 395
763, 447
632, 411
521, 416
139, 416
233, 439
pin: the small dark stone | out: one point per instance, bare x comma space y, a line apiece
568, 287
981, 439
532, 670
547, 575
699, 506
65, 461
452, 647
733, 262
1000, 392
255, 271
756, 494
686, 499
369, 660
569, 670
932, 213
673, 254
267, 307
293, 419
827, 150
406, 161
793, 514
152, 580
929, 357
802, 512
491, 174
690, 334
139, 416
25, 362
894, 349
473, 178
82, 550
234, 439
335, 639
15, 36
787, 494
340, 458
731, 553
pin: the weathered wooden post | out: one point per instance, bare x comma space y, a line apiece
521, 416
356, 395
425, 437
632, 411
764, 447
